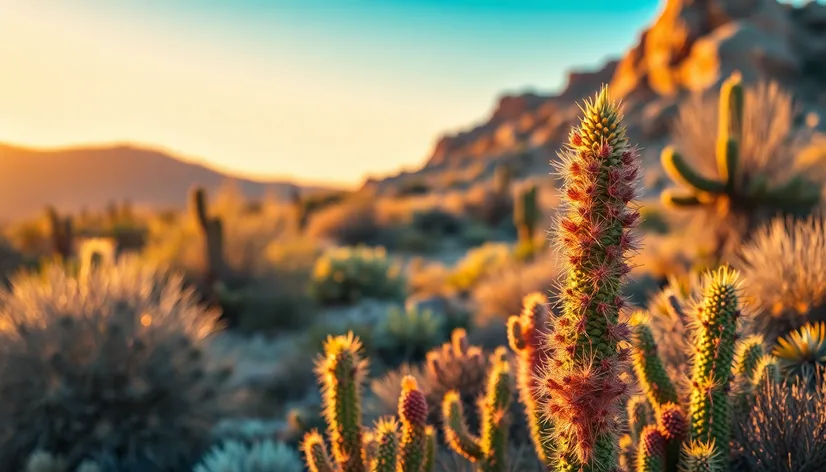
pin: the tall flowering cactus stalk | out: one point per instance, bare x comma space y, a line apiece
583, 384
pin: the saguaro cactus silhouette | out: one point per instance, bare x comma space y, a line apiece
583, 384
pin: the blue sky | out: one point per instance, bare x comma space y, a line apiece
321, 90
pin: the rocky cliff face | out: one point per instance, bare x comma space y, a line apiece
691, 47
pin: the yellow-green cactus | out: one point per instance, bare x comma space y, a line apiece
651, 373
431, 448
747, 359
315, 453
583, 386
716, 325
526, 214
341, 374
392, 446
526, 337
489, 451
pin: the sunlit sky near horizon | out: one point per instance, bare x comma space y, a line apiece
318, 90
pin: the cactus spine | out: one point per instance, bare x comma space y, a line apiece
526, 214
341, 372
527, 338
583, 385
489, 451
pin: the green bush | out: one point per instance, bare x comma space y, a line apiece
346, 275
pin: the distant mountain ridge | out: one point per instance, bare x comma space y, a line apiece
91, 177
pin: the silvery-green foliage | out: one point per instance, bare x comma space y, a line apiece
263, 456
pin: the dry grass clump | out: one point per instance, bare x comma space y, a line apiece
106, 362
785, 430
785, 270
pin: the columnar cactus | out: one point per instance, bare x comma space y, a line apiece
583, 385
651, 373
213, 232
526, 214
489, 451
392, 446
713, 322
747, 360
735, 196
341, 375
62, 233
413, 414
527, 338
714, 342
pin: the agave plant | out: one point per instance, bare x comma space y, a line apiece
802, 353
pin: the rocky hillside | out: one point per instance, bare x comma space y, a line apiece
691, 47
70, 179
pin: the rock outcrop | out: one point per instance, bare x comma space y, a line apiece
691, 47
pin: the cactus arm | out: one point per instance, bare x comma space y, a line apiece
680, 172
494, 409
456, 431
413, 415
526, 337
315, 453
730, 122
430, 450
702, 456
714, 355
640, 415
679, 199
651, 373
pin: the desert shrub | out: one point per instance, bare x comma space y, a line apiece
106, 363
349, 223
785, 269
346, 275
405, 335
500, 295
261, 456
10, 261
413, 187
785, 430
475, 234
437, 222
479, 263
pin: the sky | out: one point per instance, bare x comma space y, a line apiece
328, 91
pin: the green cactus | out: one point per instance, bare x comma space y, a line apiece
732, 196
341, 372
584, 383
62, 233
526, 337
651, 455
801, 354
489, 451
747, 359
213, 232
713, 323
714, 342
386, 439
526, 214
650, 371
640, 415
